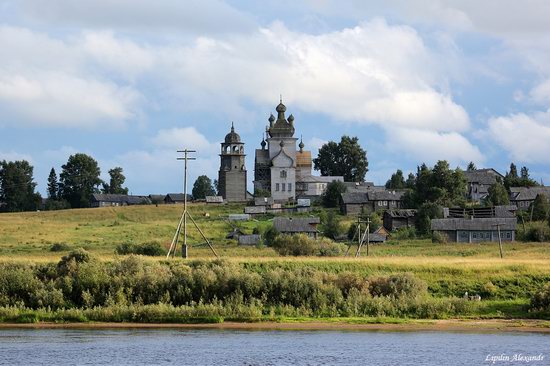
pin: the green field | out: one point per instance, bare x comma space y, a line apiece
448, 271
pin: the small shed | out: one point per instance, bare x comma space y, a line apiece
109, 200
250, 240
263, 201
255, 210
297, 225
239, 217
214, 199
396, 219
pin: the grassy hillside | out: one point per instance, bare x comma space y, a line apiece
447, 270
100, 230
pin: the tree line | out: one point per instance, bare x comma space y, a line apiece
78, 181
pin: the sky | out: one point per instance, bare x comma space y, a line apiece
129, 82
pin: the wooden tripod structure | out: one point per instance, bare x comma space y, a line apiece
363, 238
185, 215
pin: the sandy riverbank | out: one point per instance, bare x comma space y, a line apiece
452, 325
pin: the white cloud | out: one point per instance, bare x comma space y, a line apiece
183, 138
524, 137
430, 146
202, 16
15, 156
47, 82
314, 144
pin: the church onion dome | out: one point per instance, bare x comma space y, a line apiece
301, 145
282, 127
271, 118
232, 137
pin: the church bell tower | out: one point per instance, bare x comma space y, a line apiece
232, 174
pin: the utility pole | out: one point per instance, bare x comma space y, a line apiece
499, 240
185, 215
363, 238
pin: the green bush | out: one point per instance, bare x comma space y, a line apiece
302, 245
59, 247
397, 286
404, 233
152, 249
541, 299
535, 231
438, 237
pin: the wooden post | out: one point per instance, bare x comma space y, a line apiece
499, 240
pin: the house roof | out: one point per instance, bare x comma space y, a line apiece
120, 198
528, 193
325, 179
377, 238
401, 213
361, 186
177, 197
296, 224
480, 212
349, 198
473, 224
482, 176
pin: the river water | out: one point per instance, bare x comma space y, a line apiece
230, 347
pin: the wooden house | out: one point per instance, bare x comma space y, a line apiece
109, 200
478, 182
356, 202
522, 197
297, 225
173, 198
396, 219
471, 230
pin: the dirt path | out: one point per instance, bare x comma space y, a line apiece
454, 325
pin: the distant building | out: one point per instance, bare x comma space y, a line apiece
280, 168
522, 197
214, 199
397, 219
173, 198
157, 198
475, 229
232, 173
311, 186
478, 182
356, 202
109, 200
297, 225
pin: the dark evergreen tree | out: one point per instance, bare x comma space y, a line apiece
79, 179
17, 188
332, 226
498, 195
115, 182
471, 166
397, 180
411, 179
53, 186
331, 195
202, 188
345, 158
540, 208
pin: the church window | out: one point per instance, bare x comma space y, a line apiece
235, 148
283, 174
277, 187
290, 187
284, 186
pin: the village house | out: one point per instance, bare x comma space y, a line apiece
472, 230
297, 225
109, 200
313, 187
477, 224
176, 198
478, 182
396, 219
356, 202
522, 197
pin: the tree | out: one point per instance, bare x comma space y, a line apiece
424, 216
411, 179
203, 187
540, 207
53, 186
498, 195
440, 185
331, 195
512, 179
345, 158
17, 186
471, 166
79, 179
332, 226
397, 180
116, 182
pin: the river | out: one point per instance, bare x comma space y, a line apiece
277, 347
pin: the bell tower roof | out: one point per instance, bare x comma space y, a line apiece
232, 137
281, 127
